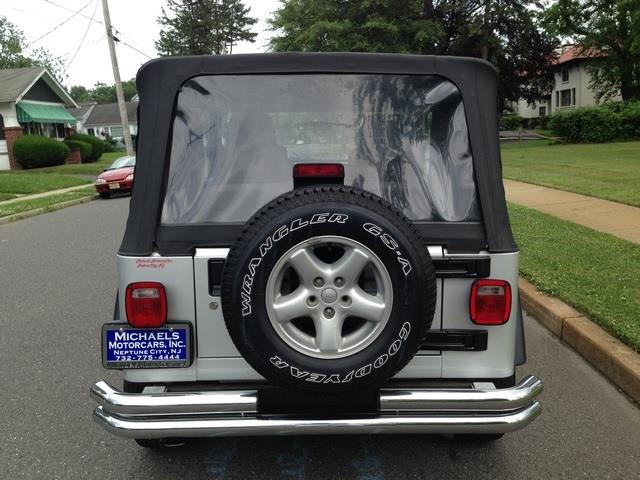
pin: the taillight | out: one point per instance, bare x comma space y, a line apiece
318, 170
146, 304
490, 302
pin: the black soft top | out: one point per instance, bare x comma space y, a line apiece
160, 80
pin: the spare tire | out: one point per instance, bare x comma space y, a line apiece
328, 289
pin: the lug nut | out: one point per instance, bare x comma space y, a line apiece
312, 301
318, 282
339, 282
329, 312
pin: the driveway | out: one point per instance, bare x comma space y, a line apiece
57, 279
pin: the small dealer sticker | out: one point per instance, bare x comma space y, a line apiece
126, 347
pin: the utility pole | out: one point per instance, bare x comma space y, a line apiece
124, 120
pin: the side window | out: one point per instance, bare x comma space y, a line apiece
1, 128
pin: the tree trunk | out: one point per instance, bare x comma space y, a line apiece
484, 52
427, 8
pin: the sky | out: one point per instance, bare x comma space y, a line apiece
135, 24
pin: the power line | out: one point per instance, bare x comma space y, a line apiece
77, 12
80, 14
91, 19
95, 8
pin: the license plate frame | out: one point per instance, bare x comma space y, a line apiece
138, 360
114, 186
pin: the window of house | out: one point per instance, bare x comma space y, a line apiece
91, 131
542, 111
565, 75
116, 132
565, 98
557, 99
573, 96
1, 128
60, 133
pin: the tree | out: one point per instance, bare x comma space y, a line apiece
608, 31
12, 52
203, 27
103, 93
79, 93
503, 32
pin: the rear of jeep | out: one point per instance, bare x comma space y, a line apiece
316, 244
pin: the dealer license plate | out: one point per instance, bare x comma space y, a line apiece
113, 186
126, 347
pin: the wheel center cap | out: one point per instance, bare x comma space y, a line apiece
329, 295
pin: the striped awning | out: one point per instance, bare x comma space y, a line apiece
39, 113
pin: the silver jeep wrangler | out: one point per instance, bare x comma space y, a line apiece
316, 244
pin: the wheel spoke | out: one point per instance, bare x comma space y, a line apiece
367, 306
350, 265
307, 265
328, 333
293, 305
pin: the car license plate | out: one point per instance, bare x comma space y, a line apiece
124, 346
113, 186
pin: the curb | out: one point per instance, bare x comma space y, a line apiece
618, 362
47, 209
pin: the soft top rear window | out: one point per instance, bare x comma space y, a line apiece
237, 137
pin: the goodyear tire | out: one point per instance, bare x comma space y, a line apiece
328, 289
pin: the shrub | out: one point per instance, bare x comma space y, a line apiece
544, 123
97, 145
511, 121
602, 123
588, 124
33, 151
631, 120
84, 147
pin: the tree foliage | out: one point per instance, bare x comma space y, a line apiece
203, 27
504, 32
609, 32
13, 46
103, 93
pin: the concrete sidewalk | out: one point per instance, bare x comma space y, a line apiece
617, 219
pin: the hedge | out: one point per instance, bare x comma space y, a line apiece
33, 151
97, 145
84, 147
597, 124
511, 121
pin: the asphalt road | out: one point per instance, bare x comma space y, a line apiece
57, 280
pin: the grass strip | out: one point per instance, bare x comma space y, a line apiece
26, 182
594, 272
48, 201
609, 170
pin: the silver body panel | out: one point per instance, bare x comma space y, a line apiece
217, 359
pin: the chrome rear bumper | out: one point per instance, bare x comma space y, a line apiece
235, 413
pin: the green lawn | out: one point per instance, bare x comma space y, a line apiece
596, 273
608, 170
25, 182
48, 201
17, 183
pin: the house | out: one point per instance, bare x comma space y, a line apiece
81, 114
103, 120
571, 85
31, 101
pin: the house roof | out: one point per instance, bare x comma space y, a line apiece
16, 82
104, 114
576, 52
82, 111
